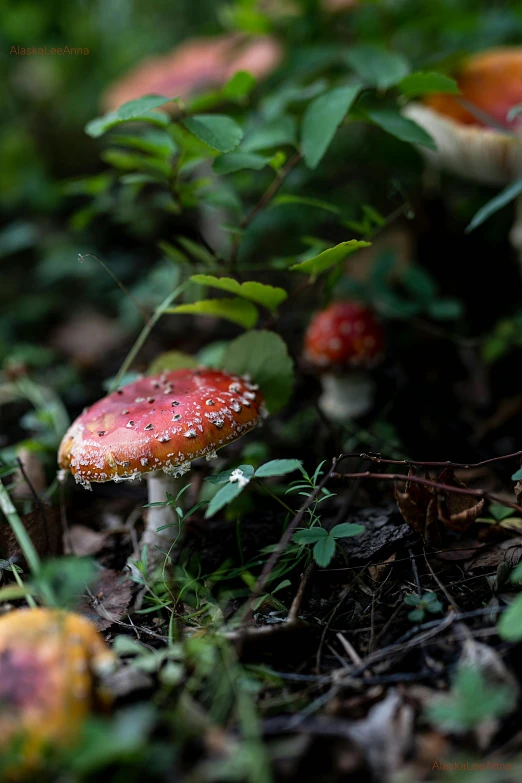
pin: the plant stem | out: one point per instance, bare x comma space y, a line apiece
17, 526
29, 598
274, 496
145, 332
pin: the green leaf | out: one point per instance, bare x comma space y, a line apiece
310, 535
224, 476
500, 512
510, 623
420, 284
278, 467
416, 615
401, 127
225, 495
264, 356
139, 110
236, 161
328, 258
411, 599
288, 198
321, 120
346, 530
277, 133
376, 66
509, 193
266, 295
422, 83
239, 86
171, 360
198, 251
517, 476
220, 132
324, 550
239, 311
137, 107
445, 309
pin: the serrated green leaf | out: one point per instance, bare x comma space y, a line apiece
376, 66
220, 132
401, 127
328, 258
278, 467
237, 310
324, 550
140, 110
264, 356
237, 161
310, 535
346, 530
225, 495
423, 83
266, 295
507, 195
321, 120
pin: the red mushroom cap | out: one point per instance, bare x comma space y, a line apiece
159, 423
196, 65
345, 334
491, 81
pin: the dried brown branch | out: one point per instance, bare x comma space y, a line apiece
477, 493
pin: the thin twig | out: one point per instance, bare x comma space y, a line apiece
426, 464
477, 493
265, 199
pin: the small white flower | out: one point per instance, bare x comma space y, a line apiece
239, 476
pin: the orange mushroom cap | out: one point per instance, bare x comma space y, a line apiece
344, 334
160, 423
196, 65
48, 662
491, 81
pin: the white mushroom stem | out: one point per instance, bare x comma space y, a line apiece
158, 541
346, 396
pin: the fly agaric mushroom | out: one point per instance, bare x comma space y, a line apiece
49, 661
490, 83
343, 342
196, 65
155, 427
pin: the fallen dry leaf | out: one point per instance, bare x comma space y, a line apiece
44, 528
111, 596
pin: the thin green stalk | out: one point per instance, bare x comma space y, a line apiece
25, 543
274, 496
17, 526
28, 597
143, 335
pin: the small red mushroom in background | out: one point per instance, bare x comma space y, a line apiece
155, 427
196, 65
342, 343
484, 145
